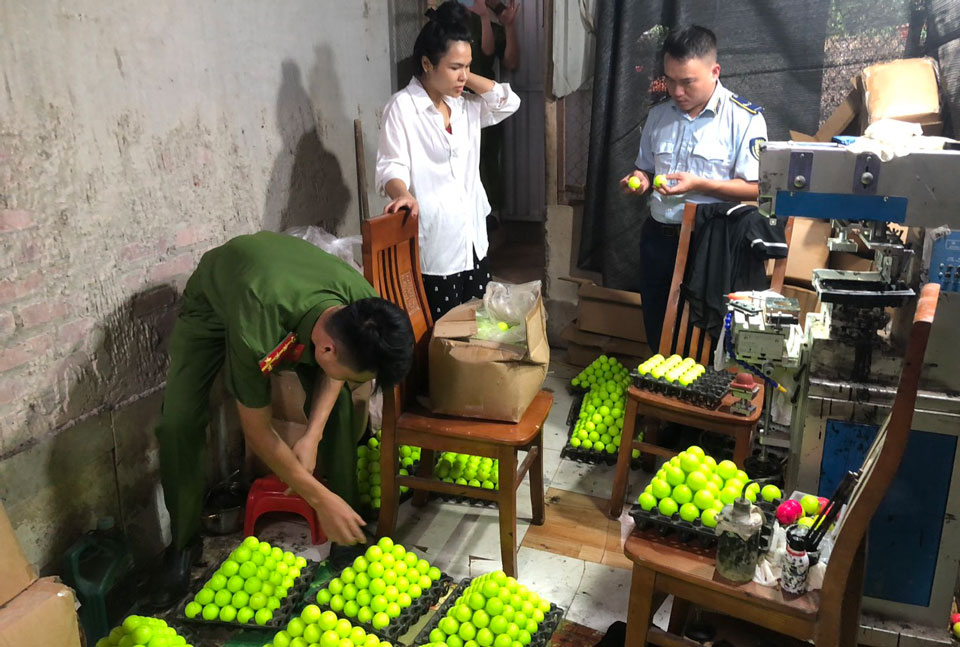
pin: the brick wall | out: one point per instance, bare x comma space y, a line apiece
133, 138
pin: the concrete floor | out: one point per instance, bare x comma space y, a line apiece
463, 540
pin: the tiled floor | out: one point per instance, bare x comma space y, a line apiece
575, 559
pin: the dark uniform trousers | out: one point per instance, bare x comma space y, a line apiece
658, 255
197, 353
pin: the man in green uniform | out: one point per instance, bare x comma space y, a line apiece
256, 304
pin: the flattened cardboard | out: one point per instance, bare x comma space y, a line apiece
605, 311
807, 298
808, 250
44, 615
584, 347
482, 379
17, 572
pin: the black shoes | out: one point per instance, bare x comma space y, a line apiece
173, 579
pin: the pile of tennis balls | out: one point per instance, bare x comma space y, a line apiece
698, 487
368, 469
379, 585
325, 629
600, 424
494, 610
464, 469
684, 371
140, 630
248, 585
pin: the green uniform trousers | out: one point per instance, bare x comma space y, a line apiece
197, 352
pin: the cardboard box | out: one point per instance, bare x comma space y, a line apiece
44, 615
906, 90
807, 298
484, 379
615, 313
584, 347
17, 572
808, 250
850, 262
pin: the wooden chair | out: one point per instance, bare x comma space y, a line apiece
829, 617
391, 261
680, 337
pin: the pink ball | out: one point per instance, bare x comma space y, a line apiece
824, 502
955, 618
788, 512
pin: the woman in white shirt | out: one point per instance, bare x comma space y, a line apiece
428, 157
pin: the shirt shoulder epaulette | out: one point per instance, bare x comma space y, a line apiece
749, 106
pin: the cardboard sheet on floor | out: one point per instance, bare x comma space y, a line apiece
484, 379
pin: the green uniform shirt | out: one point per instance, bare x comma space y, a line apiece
267, 290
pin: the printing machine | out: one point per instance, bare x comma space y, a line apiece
841, 379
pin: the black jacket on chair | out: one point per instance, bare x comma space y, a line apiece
731, 243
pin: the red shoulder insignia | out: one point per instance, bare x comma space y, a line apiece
277, 354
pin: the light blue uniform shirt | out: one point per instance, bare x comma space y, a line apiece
721, 143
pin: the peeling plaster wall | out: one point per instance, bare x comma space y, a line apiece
134, 136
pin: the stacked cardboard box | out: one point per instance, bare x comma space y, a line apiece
609, 322
905, 90
33, 612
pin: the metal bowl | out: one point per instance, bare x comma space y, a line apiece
223, 509
222, 522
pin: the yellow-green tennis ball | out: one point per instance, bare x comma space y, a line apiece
503, 325
689, 512
659, 181
709, 518
633, 182
772, 493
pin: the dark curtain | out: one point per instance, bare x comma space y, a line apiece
771, 52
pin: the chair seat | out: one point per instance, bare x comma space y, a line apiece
516, 434
650, 550
674, 410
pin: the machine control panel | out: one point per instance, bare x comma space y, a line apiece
945, 262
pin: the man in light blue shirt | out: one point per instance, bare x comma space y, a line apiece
701, 146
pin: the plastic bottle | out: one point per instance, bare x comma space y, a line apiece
796, 562
738, 540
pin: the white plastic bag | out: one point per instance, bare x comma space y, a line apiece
346, 249
503, 316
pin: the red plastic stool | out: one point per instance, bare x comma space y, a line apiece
267, 495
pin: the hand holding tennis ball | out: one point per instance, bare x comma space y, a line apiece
637, 182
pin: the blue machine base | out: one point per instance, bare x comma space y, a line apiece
904, 538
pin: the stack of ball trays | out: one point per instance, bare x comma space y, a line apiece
248, 585
494, 610
380, 585
601, 415
315, 627
464, 469
368, 470
148, 632
698, 487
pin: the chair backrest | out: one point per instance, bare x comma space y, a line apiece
678, 335
391, 263
882, 460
